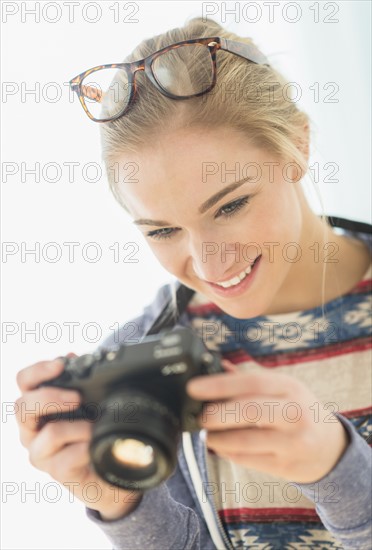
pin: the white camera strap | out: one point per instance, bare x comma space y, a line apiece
198, 485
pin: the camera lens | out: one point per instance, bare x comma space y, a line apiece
134, 443
132, 453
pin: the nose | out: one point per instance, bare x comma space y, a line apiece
214, 260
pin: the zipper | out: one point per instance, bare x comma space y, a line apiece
216, 515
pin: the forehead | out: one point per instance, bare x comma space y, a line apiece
184, 168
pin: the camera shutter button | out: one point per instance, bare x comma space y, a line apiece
85, 362
88, 360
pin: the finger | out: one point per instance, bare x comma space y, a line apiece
223, 386
56, 435
72, 462
255, 411
42, 402
30, 377
252, 441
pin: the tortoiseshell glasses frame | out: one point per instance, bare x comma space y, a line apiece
215, 43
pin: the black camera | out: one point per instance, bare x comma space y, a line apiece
136, 396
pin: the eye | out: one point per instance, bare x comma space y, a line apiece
163, 233
232, 207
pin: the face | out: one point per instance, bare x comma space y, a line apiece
218, 213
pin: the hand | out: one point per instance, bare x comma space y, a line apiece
266, 421
62, 448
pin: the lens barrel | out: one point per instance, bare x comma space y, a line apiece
134, 427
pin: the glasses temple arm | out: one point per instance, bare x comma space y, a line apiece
247, 51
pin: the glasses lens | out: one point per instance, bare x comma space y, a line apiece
184, 71
106, 92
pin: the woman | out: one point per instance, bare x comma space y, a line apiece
278, 291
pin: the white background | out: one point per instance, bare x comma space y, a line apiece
41, 130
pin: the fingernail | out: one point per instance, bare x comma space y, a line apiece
197, 385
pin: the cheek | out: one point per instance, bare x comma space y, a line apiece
279, 216
167, 257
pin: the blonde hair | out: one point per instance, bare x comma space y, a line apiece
271, 121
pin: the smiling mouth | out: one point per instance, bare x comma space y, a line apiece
235, 281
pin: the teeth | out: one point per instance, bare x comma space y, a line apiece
236, 280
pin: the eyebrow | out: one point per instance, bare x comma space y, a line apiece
204, 207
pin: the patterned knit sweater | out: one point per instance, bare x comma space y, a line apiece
327, 349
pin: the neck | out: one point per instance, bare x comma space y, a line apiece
330, 266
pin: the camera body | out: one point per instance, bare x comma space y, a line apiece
136, 396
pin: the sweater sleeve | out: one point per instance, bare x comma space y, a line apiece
343, 498
166, 518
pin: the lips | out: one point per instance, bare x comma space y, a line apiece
242, 286
237, 279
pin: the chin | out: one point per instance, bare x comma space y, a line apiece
240, 311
